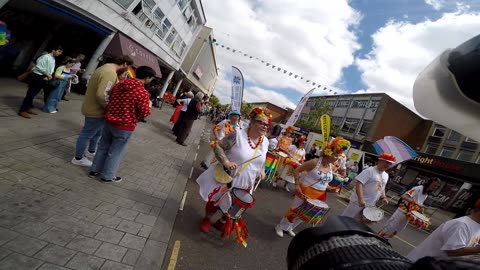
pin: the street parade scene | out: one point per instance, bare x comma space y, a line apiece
201, 134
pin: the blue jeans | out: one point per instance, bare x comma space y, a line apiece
54, 97
91, 132
110, 151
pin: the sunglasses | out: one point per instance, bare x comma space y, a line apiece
262, 123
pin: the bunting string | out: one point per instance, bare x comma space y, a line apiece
279, 69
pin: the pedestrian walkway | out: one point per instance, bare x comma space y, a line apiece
52, 216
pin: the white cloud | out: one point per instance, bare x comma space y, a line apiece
436, 4
306, 37
401, 50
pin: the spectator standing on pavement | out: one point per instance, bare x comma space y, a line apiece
129, 102
75, 70
178, 117
61, 80
370, 186
93, 108
41, 74
194, 109
454, 238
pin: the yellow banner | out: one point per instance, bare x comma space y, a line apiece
325, 125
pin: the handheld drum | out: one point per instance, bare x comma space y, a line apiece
371, 214
312, 211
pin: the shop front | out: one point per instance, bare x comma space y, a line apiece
460, 180
37, 25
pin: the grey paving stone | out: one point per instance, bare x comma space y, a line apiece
145, 231
109, 265
82, 261
133, 241
84, 244
129, 226
126, 214
50, 189
17, 261
142, 207
124, 202
86, 214
89, 202
146, 219
155, 211
131, 257
48, 266
65, 208
152, 256
25, 245
38, 173
32, 182
6, 235
9, 219
107, 208
32, 228
57, 236
55, 254
74, 225
108, 221
109, 235
4, 253
111, 252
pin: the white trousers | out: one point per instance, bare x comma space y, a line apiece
352, 210
287, 225
395, 224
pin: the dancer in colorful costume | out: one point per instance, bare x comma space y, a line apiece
412, 201
243, 154
296, 157
314, 184
221, 130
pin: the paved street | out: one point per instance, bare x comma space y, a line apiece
196, 250
52, 216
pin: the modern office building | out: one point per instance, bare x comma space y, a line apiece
158, 33
442, 152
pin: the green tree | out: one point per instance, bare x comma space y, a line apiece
246, 108
214, 100
312, 120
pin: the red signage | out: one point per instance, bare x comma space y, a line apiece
438, 163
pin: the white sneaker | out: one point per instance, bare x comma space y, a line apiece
90, 155
274, 184
291, 233
287, 189
279, 231
82, 162
54, 112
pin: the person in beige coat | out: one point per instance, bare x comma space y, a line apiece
93, 108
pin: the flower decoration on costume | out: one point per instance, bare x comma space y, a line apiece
302, 139
218, 128
260, 112
213, 143
290, 129
337, 146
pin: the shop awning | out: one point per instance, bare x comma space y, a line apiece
122, 45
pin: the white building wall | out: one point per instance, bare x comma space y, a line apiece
115, 17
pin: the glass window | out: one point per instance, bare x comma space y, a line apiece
431, 149
343, 103
350, 125
162, 32
171, 36
149, 4
465, 156
158, 14
337, 121
454, 136
124, 3
332, 103
478, 160
360, 104
365, 128
447, 152
374, 104
182, 50
439, 132
182, 3
467, 139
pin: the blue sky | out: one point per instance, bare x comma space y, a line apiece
352, 46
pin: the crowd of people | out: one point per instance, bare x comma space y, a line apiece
238, 165
114, 104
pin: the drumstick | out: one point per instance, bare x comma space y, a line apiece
258, 183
